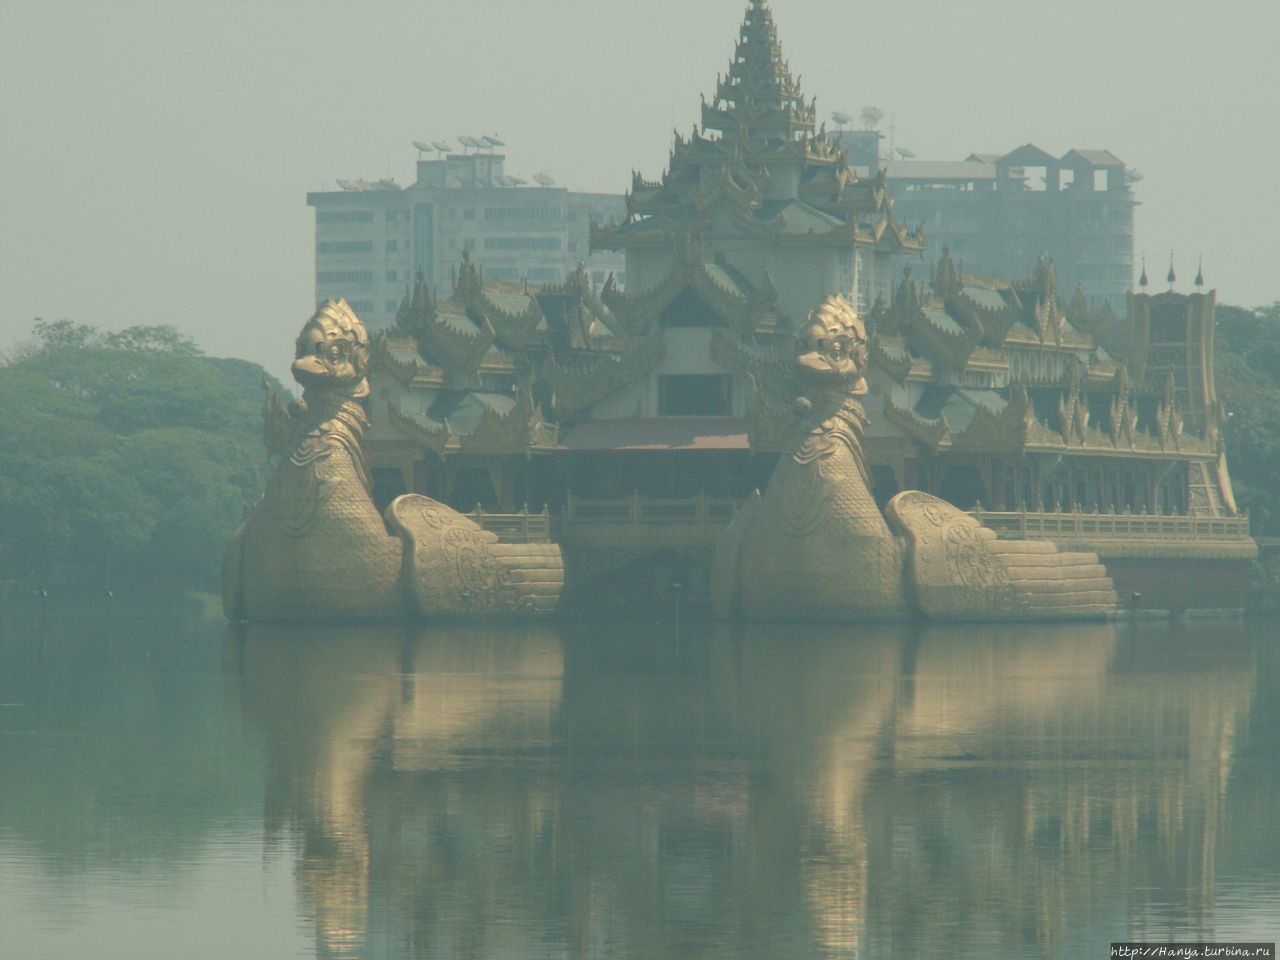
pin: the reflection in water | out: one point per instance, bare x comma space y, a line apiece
773, 792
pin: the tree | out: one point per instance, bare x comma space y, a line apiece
1247, 375
125, 457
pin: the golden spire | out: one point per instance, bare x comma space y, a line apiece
758, 96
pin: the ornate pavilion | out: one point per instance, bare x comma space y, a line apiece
1003, 396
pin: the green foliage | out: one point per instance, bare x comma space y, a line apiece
1247, 375
124, 457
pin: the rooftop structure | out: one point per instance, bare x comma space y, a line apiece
998, 212
373, 238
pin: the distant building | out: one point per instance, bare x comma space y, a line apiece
373, 238
997, 213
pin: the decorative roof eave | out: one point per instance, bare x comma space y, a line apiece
586, 380
766, 371
517, 431
511, 330
1003, 432
460, 352
888, 235
724, 186
636, 313
996, 321
436, 440
934, 433
602, 237
952, 350
741, 313
896, 368
403, 370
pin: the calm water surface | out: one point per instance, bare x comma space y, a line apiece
172, 787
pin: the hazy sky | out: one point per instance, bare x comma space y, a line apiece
155, 156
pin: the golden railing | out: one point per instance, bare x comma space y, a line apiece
522, 527
1038, 524
636, 509
702, 516
1127, 534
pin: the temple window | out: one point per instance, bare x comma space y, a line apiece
695, 395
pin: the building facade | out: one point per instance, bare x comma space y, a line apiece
372, 239
638, 418
997, 213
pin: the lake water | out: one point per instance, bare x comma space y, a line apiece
174, 787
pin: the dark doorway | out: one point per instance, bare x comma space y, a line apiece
388, 483
471, 486
884, 484
962, 485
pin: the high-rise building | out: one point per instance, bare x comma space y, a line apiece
373, 238
997, 213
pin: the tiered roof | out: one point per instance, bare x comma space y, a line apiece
484, 371
758, 131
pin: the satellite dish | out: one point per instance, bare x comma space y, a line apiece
346, 184
516, 181
465, 141
841, 118
1133, 176
387, 184
871, 116
502, 179
441, 146
493, 142
422, 147
904, 153
543, 179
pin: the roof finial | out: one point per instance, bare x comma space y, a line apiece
1172, 276
1200, 272
1142, 280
